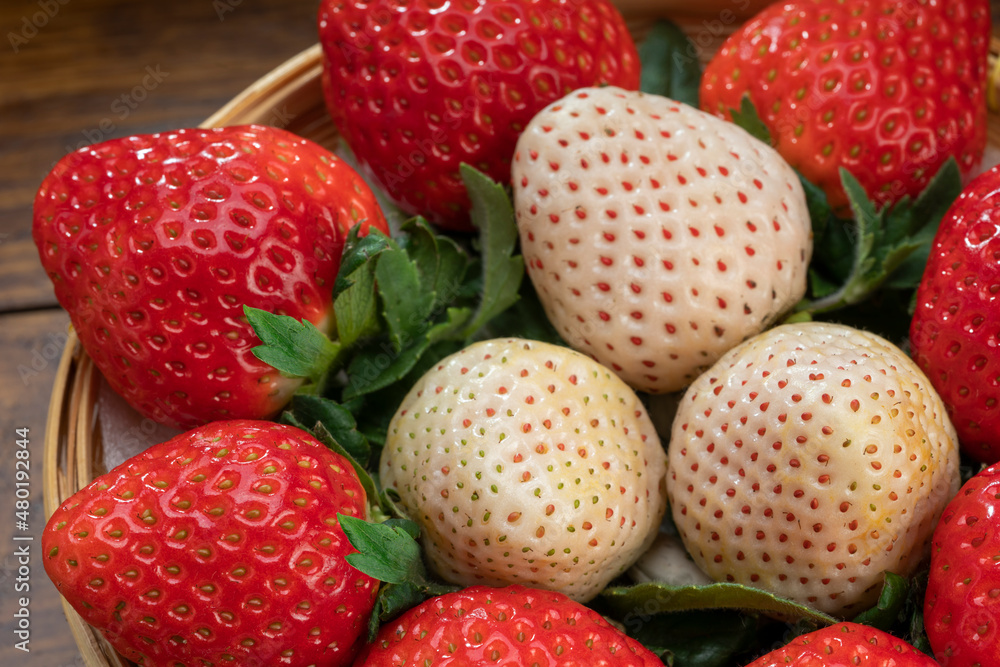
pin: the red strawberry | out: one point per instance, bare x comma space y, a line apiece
888, 90
507, 626
220, 546
155, 243
953, 335
845, 645
417, 88
962, 603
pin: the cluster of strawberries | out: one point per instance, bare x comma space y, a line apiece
672, 249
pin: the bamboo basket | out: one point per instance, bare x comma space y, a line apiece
76, 448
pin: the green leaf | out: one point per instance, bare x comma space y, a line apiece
451, 326
379, 366
886, 246
441, 262
670, 64
655, 598
359, 250
748, 118
453, 266
296, 349
387, 551
891, 602
356, 307
406, 305
697, 638
393, 600
502, 271
421, 245
525, 319
833, 255
337, 420
914, 631
379, 405
820, 213
925, 215
911, 270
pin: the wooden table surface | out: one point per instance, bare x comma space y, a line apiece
72, 73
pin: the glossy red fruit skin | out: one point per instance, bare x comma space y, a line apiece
953, 333
416, 91
154, 243
962, 602
885, 89
509, 626
216, 561
845, 645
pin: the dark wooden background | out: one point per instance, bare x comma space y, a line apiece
74, 72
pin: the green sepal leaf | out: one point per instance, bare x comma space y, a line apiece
922, 220
833, 256
502, 271
915, 633
379, 366
421, 246
820, 212
375, 409
356, 307
440, 261
387, 551
389, 500
887, 245
891, 602
294, 348
451, 326
359, 250
655, 598
406, 304
670, 64
702, 638
748, 118
525, 319
338, 421
393, 600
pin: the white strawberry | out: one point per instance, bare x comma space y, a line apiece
808, 461
525, 462
656, 235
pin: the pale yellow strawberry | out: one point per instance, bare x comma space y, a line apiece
525, 462
808, 461
656, 235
